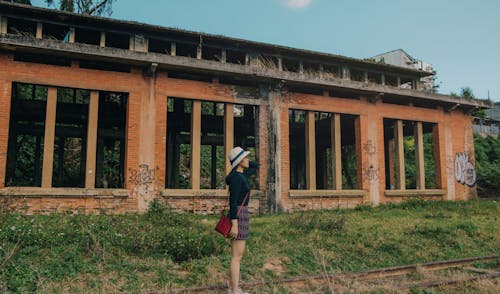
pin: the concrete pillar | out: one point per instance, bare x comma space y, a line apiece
138, 43
131, 45
50, 130
382, 79
199, 52
223, 56
195, 144
336, 154
173, 49
400, 160
92, 140
398, 82
310, 126
102, 42
39, 30
3, 24
419, 155
346, 73
301, 67
72, 35
392, 177
280, 64
365, 77
321, 71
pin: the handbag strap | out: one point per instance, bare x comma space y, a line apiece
241, 206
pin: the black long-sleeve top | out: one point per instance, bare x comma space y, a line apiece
239, 186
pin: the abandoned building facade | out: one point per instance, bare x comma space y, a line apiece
103, 116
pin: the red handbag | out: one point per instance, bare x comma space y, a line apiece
225, 224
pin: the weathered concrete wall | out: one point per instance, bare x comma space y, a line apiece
146, 142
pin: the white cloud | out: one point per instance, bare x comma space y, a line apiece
297, 4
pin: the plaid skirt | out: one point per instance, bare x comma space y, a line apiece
243, 224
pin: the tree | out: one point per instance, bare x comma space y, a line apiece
467, 93
88, 7
18, 1
487, 155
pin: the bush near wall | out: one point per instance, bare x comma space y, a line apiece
487, 155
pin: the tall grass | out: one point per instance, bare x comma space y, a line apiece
162, 249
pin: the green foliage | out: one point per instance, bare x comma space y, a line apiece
410, 166
487, 163
162, 249
313, 220
19, 1
90, 7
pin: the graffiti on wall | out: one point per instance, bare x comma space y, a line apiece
143, 180
370, 173
370, 147
465, 172
143, 176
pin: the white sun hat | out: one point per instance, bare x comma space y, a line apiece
236, 155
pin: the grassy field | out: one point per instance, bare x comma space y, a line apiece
162, 250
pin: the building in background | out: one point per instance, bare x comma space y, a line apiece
399, 57
490, 125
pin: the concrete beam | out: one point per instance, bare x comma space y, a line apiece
166, 61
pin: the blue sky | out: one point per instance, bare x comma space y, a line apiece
460, 38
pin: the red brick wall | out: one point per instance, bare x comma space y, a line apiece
456, 126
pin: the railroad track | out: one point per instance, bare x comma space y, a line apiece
375, 274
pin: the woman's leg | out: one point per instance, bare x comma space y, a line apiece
237, 249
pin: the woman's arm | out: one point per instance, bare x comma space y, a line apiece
234, 193
252, 168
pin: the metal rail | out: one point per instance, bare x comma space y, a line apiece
361, 275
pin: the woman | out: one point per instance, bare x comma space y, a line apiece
239, 196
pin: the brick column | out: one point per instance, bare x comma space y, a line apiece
147, 127
277, 131
161, 142
5, 96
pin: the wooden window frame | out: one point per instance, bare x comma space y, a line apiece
310, 143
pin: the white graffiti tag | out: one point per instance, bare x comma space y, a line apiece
465, 173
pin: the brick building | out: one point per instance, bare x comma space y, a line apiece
102, 116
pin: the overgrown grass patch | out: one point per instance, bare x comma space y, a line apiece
162, 250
